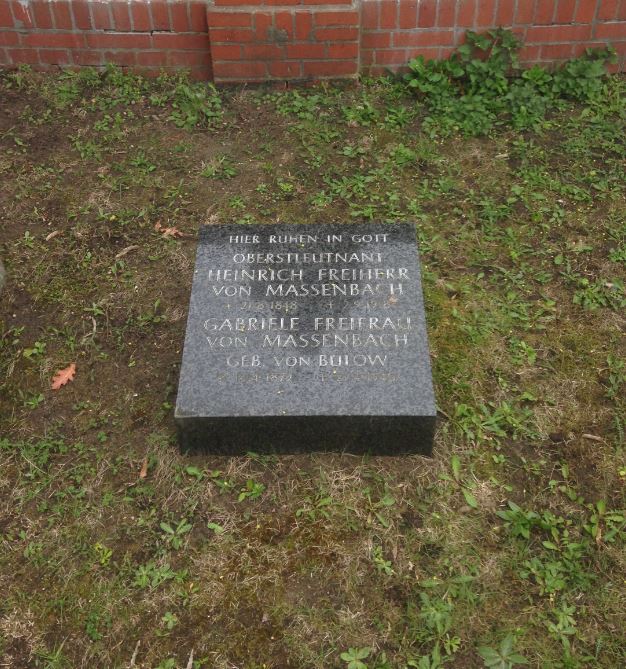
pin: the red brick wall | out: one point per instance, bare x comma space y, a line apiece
148, 35
284, 39
260, 40
394, 31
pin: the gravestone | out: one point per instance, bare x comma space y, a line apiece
306, 337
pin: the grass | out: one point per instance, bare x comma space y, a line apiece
507, 546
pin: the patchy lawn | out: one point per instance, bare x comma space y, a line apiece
116, 551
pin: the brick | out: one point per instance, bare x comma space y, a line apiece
284, 21
564, 11
529, 53
151, 58
427, 14
377, 40
178, 14
121, 16
288, 70
118, 41
226, 52
262, 52
235, 3
305, 51
280, 2
544, 12
42, 17
407, 14
140, 14
424, 38
9, 38
304, 25
486, 13
123, 58
160, 15
338, 34
198, 17
367, 57
391, 57
544, 34
329, 68
189, 58
447, 11
327, 2
336, 18
466, 13
621, 14
82, 16
62, 15
23, 16
607, 11
226, 35
429, 53
343, 51
181, 42
610, 31
263, 25
101, 16
556, 51
525, 11
620, 47
369, 14
376, 71
229, 19
580, 48
17, 56
239, 71
87, 57
201, 73
54, 56
6, 16
505, 13
52, 40
585, 11
388, 17
154, 72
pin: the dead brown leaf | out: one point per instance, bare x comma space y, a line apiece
64, 376
168, 232
143, 472
128, 249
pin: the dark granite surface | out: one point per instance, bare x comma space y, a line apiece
306, 337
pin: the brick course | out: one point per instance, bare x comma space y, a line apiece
148, 35
261, 40
552, 30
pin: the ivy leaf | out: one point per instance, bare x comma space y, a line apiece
470, 499
218, 529
166, 527
456, 467
143, 472
195, 472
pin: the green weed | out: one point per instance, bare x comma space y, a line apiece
481, 85
504, 657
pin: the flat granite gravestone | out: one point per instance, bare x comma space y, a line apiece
306, 337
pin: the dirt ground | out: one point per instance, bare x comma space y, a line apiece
117, 551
